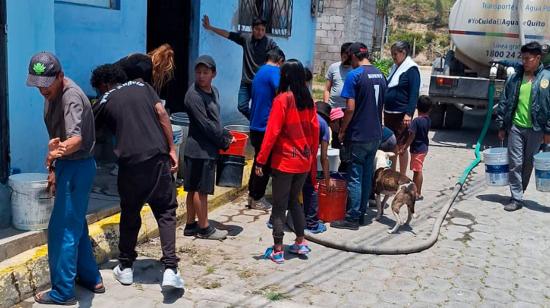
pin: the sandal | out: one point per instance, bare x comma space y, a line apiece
45, 299
99, 288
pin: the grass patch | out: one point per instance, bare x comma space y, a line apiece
211, 284
245, 273
275, 296
210, 270
318, 94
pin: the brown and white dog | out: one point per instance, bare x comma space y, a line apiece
391, 183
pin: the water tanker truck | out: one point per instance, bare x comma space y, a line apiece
483, 32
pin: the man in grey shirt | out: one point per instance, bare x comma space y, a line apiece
255, 47
70, 123
336, 75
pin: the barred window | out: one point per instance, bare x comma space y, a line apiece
277, 13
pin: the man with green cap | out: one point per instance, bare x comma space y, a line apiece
70, 124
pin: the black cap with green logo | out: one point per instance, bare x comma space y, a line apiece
43, 69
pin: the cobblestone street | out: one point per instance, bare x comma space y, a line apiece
485, 257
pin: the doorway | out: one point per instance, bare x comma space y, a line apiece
4, 129
169, 21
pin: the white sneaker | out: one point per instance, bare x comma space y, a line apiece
170, 279
124, 276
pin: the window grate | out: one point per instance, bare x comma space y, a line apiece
277, 13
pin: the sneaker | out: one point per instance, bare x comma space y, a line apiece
114, 171
299, 248
191, 229
319, 229
419, 198
172, 279
269, 223
275, 256
124, 276
212, 233
344, 224
513, 206
261, 204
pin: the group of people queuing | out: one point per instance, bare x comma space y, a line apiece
287, 129
362, 111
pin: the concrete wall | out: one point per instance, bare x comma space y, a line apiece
87, 36
342, 21
228, 55
30, 29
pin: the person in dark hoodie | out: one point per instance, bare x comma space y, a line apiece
255, 47
206, 138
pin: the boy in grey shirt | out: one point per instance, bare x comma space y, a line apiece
336, 75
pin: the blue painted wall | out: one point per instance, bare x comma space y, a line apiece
87, 36
228, 55
30, 30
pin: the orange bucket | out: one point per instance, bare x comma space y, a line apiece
237, 148
332, 205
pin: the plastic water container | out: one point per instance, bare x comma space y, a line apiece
332, 205
496, 166
229, 172
245, 129
542, 171
180, 119
31, 204
333, 160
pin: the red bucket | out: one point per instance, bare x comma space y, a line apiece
332, 205
237, 148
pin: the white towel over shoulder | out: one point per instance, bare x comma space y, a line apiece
396, 71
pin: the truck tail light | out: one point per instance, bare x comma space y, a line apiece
444, 82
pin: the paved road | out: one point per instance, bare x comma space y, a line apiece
485, 257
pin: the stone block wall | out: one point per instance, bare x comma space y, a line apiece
342, 21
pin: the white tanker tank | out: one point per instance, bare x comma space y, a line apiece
483, 31
489, 30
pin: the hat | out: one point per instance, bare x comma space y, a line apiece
206, 60
43, 69
336, 113
357, 48
323, 109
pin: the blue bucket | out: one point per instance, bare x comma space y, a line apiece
542, 171
496, 166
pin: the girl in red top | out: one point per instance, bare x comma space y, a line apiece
292, 139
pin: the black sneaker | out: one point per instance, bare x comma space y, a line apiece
344, 224
191, 229
513, 206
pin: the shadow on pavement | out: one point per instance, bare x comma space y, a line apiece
531, 205
232, 230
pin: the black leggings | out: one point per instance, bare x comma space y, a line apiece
286, 189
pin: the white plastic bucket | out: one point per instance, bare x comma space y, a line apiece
496, 166
31, 205
542, 171
333, 160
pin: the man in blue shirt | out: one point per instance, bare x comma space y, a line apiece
264, 88
361, 132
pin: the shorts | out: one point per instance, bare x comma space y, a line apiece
394, 121
417, 161
388, 145
199, 175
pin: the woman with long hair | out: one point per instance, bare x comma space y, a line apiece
156, 67
292, 140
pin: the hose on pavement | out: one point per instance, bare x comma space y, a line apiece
432, 239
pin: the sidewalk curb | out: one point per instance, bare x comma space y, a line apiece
27, 273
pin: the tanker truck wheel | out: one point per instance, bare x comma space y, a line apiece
453, 117
437, 115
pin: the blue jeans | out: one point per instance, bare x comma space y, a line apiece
311, 205
70, 251
245, 94
360, 173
